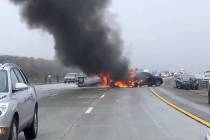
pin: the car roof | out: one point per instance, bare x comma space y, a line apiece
8, 66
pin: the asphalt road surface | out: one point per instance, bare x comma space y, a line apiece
115, 114
195, 101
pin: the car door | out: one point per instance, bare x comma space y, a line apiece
27, 95
19, 96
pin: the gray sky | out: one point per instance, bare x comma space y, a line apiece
163, 34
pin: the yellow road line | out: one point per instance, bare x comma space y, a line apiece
200, 120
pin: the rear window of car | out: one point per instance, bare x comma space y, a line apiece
3, 81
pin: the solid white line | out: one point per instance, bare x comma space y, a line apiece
89, 110
102, 96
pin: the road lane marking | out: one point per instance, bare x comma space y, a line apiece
54, 95
102, 96
89, 110
194, 117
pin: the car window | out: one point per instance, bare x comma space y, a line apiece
188, 77
146, 75
14, 79
19, 76
143, 75
71, 75
3, 81
24, 76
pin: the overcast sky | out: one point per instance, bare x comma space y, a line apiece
162, 34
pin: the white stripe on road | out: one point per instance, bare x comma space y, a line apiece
89, 110
54, 95
102, 96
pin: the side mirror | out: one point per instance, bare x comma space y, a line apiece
20, 86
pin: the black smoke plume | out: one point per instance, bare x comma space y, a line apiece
83, 37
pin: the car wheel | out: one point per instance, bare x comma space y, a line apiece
31, 131
150, 85
13, 135
177, 85
197, 88
186, 88
158, 83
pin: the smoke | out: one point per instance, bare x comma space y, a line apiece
83, 36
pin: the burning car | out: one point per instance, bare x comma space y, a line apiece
132, 81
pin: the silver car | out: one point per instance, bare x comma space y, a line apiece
18, 104
208, 135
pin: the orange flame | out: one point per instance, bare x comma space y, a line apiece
106, 81
121, 84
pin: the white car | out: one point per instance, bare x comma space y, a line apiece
18, 104
70, 78
208, 135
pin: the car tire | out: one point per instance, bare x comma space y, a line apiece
32, 131
158, 83
177, 85
150, 85
13, 134
197, 88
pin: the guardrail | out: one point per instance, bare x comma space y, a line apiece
203, 84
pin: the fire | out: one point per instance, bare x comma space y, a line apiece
107, 81
121, 84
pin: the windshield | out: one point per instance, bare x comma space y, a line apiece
3, 81
188, 77
70, 75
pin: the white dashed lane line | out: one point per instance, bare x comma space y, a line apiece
54, 95
89, 110
102, 96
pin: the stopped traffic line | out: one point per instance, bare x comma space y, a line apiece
194, 117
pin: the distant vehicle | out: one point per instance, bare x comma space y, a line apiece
207, 75
70, 78
165, 74
18, 104
149, 79
208, 135
187, 82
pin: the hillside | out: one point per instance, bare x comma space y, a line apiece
38, 69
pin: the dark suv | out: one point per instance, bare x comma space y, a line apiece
149, 79
187, 82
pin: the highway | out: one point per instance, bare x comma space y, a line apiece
101, 114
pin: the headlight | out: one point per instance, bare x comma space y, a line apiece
3, 109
